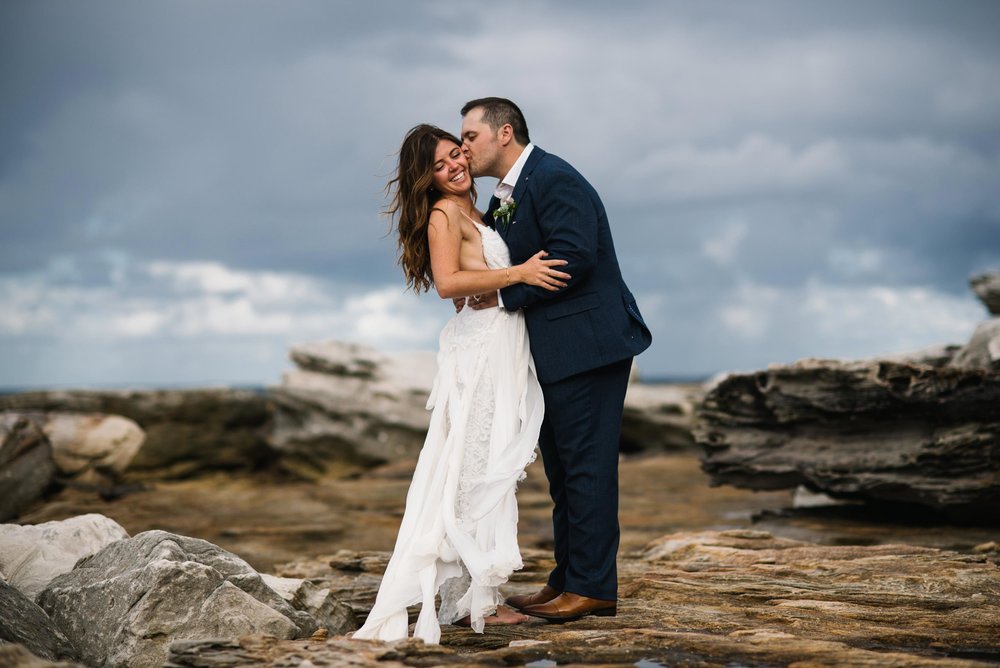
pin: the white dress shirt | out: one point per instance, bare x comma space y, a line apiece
506, 186
507, 183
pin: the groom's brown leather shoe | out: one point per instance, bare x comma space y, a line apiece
522, 601
569, 606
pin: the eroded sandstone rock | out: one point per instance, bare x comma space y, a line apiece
124, 605
708, 599
983, 349
32, 555
24, 623
18, 656
26, 466
987, 288
187, 431
866, 430
659, 417
330, 614
90, 445
350, 406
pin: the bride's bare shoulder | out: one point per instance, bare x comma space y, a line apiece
447, 212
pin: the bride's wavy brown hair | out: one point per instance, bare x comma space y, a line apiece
413, 199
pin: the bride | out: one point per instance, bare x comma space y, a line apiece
458, 536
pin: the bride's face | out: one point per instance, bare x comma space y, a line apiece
451, 169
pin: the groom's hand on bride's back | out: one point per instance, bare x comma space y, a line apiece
486, 300
477, 302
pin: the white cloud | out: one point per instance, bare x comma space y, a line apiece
749, 325
724, 245
853, 262
196, 306
819, 319
138, 323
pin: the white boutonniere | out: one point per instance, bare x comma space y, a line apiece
505, 211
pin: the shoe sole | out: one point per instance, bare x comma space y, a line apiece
604, 612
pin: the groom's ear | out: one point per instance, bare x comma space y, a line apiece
505, 134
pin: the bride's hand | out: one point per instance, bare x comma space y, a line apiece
541, 272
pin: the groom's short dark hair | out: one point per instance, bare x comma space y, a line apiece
498, 111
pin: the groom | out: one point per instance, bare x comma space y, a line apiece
583, 338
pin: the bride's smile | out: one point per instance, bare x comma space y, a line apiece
451, 169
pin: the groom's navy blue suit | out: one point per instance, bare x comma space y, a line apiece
583, 338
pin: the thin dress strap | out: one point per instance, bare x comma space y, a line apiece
473, 220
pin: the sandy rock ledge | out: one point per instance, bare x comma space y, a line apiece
706, 599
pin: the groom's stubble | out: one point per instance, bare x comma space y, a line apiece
481, 146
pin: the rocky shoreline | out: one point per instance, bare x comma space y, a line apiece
920, 429
839, 513
690, 596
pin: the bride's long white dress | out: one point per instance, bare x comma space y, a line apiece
459, 529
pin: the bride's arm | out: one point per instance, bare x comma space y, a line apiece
444, 236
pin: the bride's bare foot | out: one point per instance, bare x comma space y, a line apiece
504, 615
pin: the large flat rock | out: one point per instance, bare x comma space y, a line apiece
871, 430
709, 599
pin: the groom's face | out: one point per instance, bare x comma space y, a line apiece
479, 142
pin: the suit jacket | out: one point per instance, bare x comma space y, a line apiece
593, 321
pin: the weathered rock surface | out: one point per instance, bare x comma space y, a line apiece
186, 430
24, 623
32, 555
659, 417
336, 617
937, 356
346, 408
26, 466
90, 445
868, 430
710, 599
125, 604
987, 288
983, 349
18, 656
350, 406
272, 519
91, 448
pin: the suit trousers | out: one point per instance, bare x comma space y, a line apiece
579, 445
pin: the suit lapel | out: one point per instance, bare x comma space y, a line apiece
488, 216
521, 187
529, 167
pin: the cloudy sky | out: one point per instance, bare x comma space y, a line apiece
187, 188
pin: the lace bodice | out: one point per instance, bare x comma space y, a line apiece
495, 251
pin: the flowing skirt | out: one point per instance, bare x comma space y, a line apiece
460, 522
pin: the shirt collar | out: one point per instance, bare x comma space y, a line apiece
506, 186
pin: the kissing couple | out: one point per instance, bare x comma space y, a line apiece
539, 352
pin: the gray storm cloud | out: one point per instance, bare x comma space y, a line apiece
785, 179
